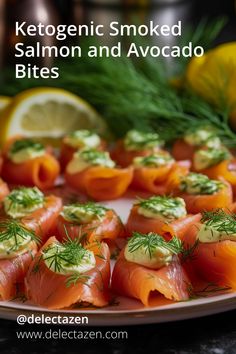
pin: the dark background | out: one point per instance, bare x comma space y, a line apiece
215, 334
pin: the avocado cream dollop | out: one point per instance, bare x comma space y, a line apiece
83, 138
67, 259
204, 158
197, 183
205, 136
136, 140
89, 157
151, 250
158, 159
22, 201
83, 213
24, 150
162, 207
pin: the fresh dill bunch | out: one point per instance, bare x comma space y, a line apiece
149, 242
16, 234
23, 144
220, 221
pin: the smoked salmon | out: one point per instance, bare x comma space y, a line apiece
160, 223
134, 144
28, 163
89, 222
136, 280
54, 289
214, 259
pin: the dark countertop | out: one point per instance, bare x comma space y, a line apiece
214, 335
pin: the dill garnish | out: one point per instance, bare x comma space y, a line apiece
220, 221
80, 212
209, 290
15, 235
149, 242
23, 144
197, 183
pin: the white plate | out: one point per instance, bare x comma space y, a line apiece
128, 311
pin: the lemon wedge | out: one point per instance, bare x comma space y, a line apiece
48, 113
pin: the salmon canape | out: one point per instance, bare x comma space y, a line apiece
4, 190
206, 136
149, 266
214, 257
88, 222
66, 274
134, 144
163, 215
37, 212
95, 174
216, 164
203, 194
27, 162
76, 140
17, 249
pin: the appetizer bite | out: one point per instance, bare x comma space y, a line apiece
149, 265
37, 212
65, 274
201, 193
164, 215
134, 144
17, 249
27, 162
94, 173
4, 190
216, 163
184, 149
88, 222
77, 140
213, 240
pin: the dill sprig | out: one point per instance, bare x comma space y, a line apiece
71, 252
13, 230
25, 197
23, 144
220, 221
209, 289
149, 242
75, 212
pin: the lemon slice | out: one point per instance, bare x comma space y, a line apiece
48, 113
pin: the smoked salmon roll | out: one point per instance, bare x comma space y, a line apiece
203, 194
214, 257
4, 190
18, 247
94, 173
37, 212
66, 274
149, 266
206, 136
166, 216
27, 162
88, 222
76, 140
134, 144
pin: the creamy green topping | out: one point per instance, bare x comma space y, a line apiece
137, 140
151, 250
22, 201
25, 149
206, 158
162, 207
83, 213
205, 136
197, 183
156, 160
69, 258
217, 226
89, 157
14, 239
82, 138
